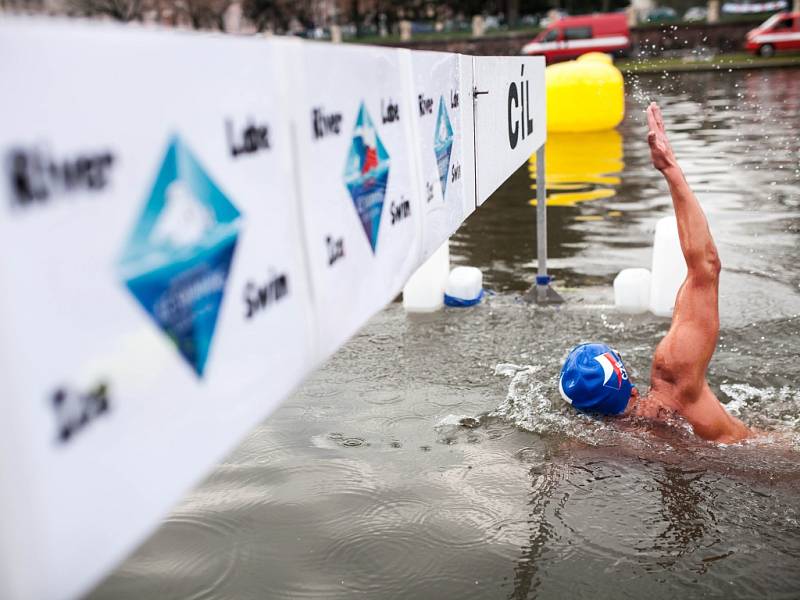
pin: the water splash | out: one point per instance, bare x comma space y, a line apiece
771, 408
532, 403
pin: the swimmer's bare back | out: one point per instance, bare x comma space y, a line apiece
678, 378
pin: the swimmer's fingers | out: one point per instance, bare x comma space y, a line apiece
655, 120
651, 140
652, 124
656, 151
655, 132
660, 119
660, 151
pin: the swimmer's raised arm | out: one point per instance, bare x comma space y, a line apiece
696, 240
681, 359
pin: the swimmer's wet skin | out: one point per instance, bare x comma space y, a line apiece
593, 378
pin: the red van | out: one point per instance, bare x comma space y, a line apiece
570, 37
780, 32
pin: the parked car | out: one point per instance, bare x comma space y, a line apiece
781, 32
696, 13
744, 8
493, 22
570, 37
422, 27
662, 14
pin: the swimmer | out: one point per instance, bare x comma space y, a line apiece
593, 378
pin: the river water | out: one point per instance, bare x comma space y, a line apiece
432, 457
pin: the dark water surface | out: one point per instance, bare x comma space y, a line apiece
432, 456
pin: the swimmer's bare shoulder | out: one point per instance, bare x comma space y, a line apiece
678, 377
702, 409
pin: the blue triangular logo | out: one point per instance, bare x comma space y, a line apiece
366, 174
177, 259
443, 143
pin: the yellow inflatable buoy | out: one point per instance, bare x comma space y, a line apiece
596, 57
587, 94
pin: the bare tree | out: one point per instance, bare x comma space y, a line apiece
265, 14
121, 10
512, 12
206, 14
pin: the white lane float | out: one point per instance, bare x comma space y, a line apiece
669, 267
424, 291
632, 290
638, 290
464, 287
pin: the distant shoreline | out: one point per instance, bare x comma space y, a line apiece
720, 62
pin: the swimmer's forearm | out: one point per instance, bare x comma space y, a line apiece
697, 243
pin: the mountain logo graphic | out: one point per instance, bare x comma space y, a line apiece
366, 174
177, 259
443, 143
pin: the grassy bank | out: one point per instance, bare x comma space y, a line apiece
737, 60
442, 36
530, 31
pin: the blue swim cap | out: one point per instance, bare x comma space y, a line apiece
593, 379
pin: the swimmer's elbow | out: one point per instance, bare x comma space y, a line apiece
724, 431
705, 266
714, 264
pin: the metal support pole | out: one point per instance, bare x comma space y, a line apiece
542, 280
544, 293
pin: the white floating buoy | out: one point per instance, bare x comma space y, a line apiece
669, 267
632, 290
464, 287
424, 291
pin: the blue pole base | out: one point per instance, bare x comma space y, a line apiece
542, 292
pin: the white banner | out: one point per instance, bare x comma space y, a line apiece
442, 114
510, 119
358, 180
155, 302
189, 224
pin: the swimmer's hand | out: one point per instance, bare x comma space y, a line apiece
660, 151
